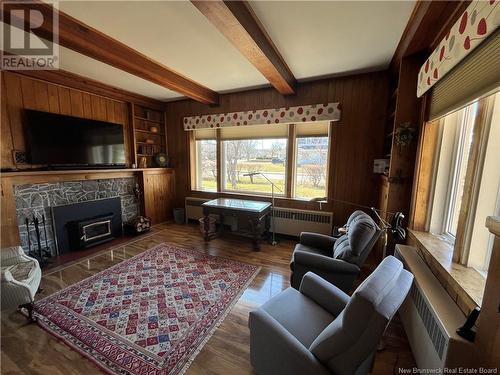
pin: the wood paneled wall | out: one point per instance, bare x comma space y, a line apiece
20, 92
357, 137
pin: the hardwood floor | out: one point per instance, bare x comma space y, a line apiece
27, 349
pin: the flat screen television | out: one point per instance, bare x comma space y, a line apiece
66, 141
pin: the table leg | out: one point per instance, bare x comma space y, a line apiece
268, 226
206, 226
257, 226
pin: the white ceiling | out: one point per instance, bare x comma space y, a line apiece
315, 39
318, 38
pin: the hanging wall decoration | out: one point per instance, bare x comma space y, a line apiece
305, 113
480, 19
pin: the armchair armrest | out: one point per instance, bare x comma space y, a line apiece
274, 350
318, 241
325, 263
323, 293
11, 255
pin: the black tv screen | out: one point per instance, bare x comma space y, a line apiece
58, 140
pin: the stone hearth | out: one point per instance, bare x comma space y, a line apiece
36, 199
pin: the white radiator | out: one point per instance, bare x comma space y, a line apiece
292, 222
430, 318
287, 221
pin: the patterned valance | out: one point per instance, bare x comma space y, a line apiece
480, 19
305, 113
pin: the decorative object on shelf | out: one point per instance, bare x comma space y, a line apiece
161, 159
150, 141
153, 129
146, 149
143, 162
138, 225
404, 134
134, 166
284, 115
479, 20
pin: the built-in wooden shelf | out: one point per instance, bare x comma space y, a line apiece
142, 119
148, 132
149, 120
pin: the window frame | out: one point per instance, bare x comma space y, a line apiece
290, 167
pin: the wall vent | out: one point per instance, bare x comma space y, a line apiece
435, 333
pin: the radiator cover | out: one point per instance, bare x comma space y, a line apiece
430, 318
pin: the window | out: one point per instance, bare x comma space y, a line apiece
205, 147
242, 158
311, 167
251, 155
458, 175
455, 140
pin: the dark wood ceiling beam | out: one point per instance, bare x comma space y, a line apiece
238, 23
88, 41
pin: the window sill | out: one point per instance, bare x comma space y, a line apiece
464, 284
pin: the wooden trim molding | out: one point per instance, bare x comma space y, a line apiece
471, 184
424, 176
220, 168
291, 152
79, 37
239, 24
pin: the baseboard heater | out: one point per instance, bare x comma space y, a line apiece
430, 318
286, 220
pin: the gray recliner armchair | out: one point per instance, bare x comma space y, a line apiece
320, 330
337, 260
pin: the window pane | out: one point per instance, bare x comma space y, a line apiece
267, 156
311, 167
206, 165
462, 157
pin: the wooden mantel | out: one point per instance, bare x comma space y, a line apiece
159, 192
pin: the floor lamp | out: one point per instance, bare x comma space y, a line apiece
273, 185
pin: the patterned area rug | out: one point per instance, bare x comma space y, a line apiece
150, 314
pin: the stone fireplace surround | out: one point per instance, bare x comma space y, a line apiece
37, 199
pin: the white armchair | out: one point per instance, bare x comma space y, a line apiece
20, 279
